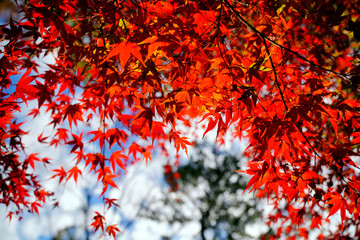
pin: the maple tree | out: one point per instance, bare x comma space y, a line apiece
282, 74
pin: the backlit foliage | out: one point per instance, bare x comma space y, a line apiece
282, 74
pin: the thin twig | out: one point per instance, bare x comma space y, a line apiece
275, 75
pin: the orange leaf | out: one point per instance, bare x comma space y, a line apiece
147, 155
112, 229
108, 180
124, 50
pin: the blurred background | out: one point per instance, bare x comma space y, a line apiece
199, 198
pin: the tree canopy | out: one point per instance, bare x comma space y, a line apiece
282, 74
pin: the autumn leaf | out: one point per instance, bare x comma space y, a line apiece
179, 142
134, 148
73, 172
42, 139
98, 222
23, 88
124, 50
73, 113
147, 155
112, 229
212, 123
31, 158
147, 114
118, 158
61, 173
77, 142
108, 180
35, 207
111, 202
337, 203
252, 181
334, 124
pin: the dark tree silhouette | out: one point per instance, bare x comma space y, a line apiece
208, 190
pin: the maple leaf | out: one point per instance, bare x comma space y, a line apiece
157, 131
108, 180
23, 89
211, 125
77, 142
44, 93
73, 172
10, 215
98, 222
337, 203
115, 135
62, 135
100, 136
61, 173
179, 142
147, 155
95, 160
316, 222
112, 229
134, 149
111, 202
116, 158
123, 50
35, 207
31, 158
73, 113
35, 112
252, 181
42, 139
147, 114
106, 175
